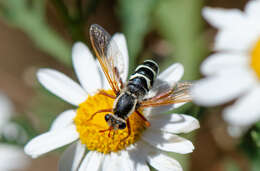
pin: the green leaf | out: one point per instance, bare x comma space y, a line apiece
135, 16
256, 137
180, 23
31, 20
231, 165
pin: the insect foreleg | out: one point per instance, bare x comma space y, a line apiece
128, 130
102, 92
98, 112
146, 122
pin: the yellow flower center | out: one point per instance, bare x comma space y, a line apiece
255, 58
91, 127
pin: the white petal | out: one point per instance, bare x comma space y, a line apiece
174, 123
12, 158
220, 62
133, 161
142, 166
50, 141
63, 120
113, 162
253, 12
128, 163
136, 156
62, 86
222, 88
168, 142
223, 18
138, 165
230, 38
66, 159
239, 40
162, 162
161, 109
72, 157
246, 109
105, 84
79, 153
122, 45
177, 105
109, 164
85, 67
172, 74
92, 162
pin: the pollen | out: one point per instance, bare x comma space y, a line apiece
91, 126
255, 59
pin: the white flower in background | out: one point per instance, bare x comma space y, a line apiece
10, 130
6, 111
11, 157
234, 71
108, 152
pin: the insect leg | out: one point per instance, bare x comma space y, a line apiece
100, 111
109, 129
128, 129
102, 92
146, 122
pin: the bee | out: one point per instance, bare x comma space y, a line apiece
131, 96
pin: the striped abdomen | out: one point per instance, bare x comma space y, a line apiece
143, 78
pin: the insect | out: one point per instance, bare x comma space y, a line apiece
131, 96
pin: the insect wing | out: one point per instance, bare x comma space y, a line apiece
179, 93
114, 53
109, 56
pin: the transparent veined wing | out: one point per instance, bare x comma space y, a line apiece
109, 57
168, 94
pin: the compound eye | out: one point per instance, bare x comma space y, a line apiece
107, 117
122, 125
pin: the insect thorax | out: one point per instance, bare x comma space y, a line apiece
124, 104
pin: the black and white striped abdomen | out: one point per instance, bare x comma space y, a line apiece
141, 81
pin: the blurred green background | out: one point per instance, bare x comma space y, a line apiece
40, 33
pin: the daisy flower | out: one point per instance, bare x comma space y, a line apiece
9, 153
6, 111
9, 130
233, 72
94, 150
